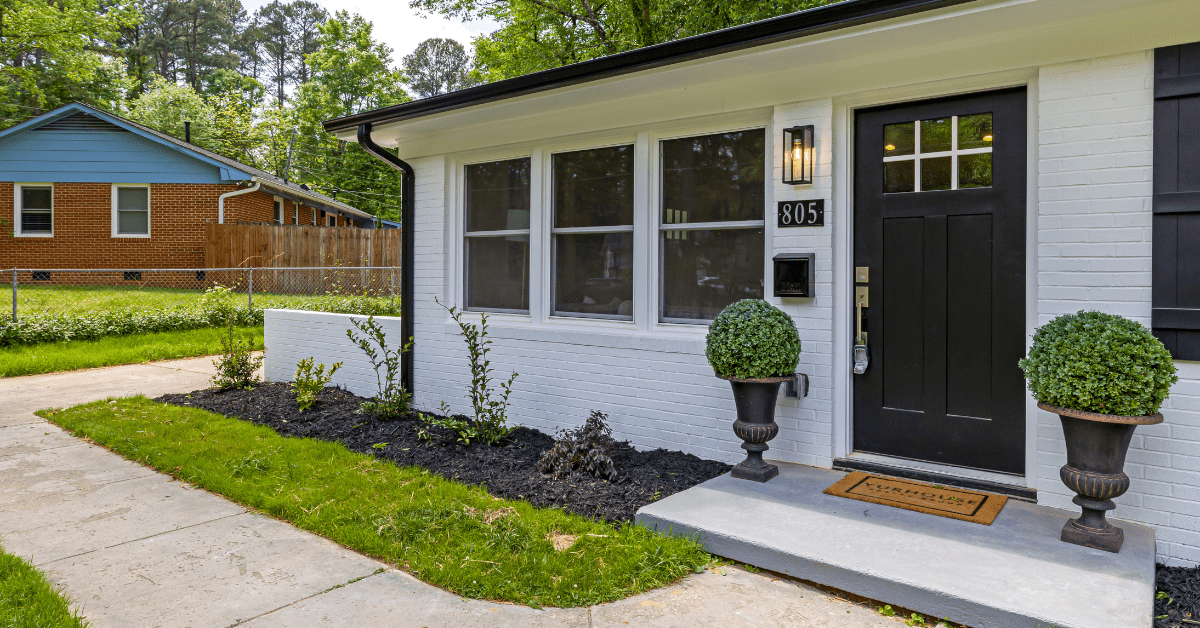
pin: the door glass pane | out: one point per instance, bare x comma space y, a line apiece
594, 188
714, 177
594, 273
36, 198
133, 222
898, 139
498, 272
706, 270
975, 171
899, 176
935, 174
975, 131
498, 195
935, 136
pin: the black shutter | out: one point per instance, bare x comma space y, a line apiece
1176, 289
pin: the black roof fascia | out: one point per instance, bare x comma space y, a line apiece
823, 19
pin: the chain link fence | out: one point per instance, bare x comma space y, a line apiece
56, 292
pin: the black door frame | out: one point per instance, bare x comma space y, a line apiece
845, 441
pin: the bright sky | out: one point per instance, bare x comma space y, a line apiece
399, 26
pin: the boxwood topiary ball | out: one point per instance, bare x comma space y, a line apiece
752, 339
1099, 362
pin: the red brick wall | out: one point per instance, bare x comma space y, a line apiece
83, 227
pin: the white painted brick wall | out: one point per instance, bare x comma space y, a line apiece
292, 335
1095, 173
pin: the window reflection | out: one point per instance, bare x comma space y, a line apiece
497, 264
706, 270
708, 181
593, 232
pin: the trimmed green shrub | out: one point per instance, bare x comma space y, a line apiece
753, 339
1099, 362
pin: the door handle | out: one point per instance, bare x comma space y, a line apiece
862, 355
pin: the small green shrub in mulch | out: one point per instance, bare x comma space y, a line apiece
1099, 362
753, 339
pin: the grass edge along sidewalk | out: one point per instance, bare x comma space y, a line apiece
448, 534
28, 600
56, 357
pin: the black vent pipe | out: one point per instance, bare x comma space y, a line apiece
407, 207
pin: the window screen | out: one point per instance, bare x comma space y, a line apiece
133, 211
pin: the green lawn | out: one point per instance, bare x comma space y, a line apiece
28, 600
448, 534
33, 298
82, 354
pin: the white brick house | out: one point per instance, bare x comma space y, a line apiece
1019, 137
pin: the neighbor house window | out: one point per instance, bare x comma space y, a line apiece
497, 235
131, 210
278, 210
331, 220
295, 213
35, 210
314, 217
593, 232
712, 223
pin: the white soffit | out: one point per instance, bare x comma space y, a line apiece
976, 38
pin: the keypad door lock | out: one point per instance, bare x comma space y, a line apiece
862, 355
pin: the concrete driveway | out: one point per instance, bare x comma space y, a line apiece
135, 548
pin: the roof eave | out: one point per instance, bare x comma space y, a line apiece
845, 14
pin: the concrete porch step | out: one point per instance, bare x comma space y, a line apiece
1013, 573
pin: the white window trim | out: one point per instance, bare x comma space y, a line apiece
17, 210
280, 217
314, 216
114, 220
330, 219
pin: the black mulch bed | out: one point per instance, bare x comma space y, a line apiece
1177, 603
508, 471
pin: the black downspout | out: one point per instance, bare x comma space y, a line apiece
407, 221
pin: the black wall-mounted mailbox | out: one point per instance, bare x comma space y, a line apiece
794, 274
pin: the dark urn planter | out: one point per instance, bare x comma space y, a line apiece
755, 424
1096, 448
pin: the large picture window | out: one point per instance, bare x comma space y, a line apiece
712, 223
131, 210
497, 235
593, 233
35, 210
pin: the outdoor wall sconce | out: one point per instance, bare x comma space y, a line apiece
798, 155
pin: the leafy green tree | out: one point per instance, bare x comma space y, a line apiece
438, 66
351, 72
542, 34
54, 52
166, 105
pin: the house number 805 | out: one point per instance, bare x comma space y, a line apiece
802, 213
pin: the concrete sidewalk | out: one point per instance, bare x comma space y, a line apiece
135, 548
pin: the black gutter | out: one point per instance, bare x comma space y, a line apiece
407, 207
824, 19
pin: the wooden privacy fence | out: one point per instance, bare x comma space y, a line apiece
295, 246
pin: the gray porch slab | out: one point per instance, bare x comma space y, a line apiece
1015, 572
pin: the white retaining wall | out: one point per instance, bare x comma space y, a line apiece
292, 335
1095, 174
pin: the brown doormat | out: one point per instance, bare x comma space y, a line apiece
942, 501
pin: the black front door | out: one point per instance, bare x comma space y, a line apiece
939, 233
